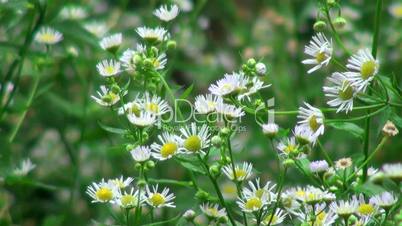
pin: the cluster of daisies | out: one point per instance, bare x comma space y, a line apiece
342, 87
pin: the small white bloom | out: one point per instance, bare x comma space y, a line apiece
384, 200
371, 171
108, 68
252, 204
49, 36
341, 92
241, 172
395, 9
158, 34
189, 215
185, 5
166, 14
393, 171
102, 191
343, 163
256, 190
158, 199
212, 210
229, 111
143, 119
121, 183
304, 135
231, 83
270, 129
106, 97
320, 49
155, 105
111, 42
312, 118
141, 153
256, 85
274, 219
127, 58
168, 147
289, 148
344, 208
261, 68
128, 199
365, 209
73, 13
194, 140
205, 104
363, 68
321, 217
132, 107
319, 166
26, 167
96, 28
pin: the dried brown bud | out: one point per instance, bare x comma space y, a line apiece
390, 129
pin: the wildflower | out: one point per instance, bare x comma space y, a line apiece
102, 191
320, 216
371, 171
229, 111
48, 36
141, 153
111, 43
165, 14
384, 200
128, 57
390, 129
252, 204
288, 148
312, 118
185, 5
260, 68
195, 140
320, 49
144, 119
255, 189
340, 91
96, 28
153, 35
241, 172
205, 104
365, 209
155, 105
26, 167
107, 97
395, 10
393, 171
230, 84
132, 107
274, 219
212, 211
159, 199
229, 190
319, 166
108, 68
304, 135
270, 129
363, 68
129, 199
256, 85
121, 183
189, 215
168, 148
73, 13
343, 163
344, 208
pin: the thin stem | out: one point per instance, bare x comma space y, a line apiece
278, 195
326, 156
128, 217
338, 63
357, 118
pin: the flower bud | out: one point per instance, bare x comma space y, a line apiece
137, 166
148, 63
189, 215
288, 163
331, 3
154, 50
215, 170
130, 147
223, 219
270, 129
141, 183
251, 62
320, 25
202, 195
390, 129
137, 59
115, 88
260, 68
339, 22
225, 131
171, 45
216, 141
150, 164
333, 189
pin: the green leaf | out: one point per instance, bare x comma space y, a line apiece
111, 129
195, 167
187, 92
349, 127
369, 189
396, 119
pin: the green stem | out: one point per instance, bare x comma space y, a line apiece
278, 195
128, 217
326, 156
357, 118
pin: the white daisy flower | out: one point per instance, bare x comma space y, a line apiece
141, 153
159, 62
159, 199
252, 204
106, 97
312, 118
365, 209
73, 13
185, 5
343, 163
256, 197
319, 166
229, 111
393, 171
241, 172
230, 84
213, 211
274, 219
289, 202
320, 49
260, 68
132, 107
371, 171
395, 9
340, 91
25, 167
127, 58
205, 104
321, 217
166, 14
363, 67
256, 85
304, 135
102, 191
255, 190
384, 200
111, 42
153, 35
144, 119
270, 129
194, 140
168, 147
121, 183
155, 105
48, 36
108, 68
128, 200
344, 208
96, 28
289, 148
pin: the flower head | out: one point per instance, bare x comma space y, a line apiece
102, 191
304, 135
363, 67
393, 171
96, 28
274, 219
111, 42
288, 148
141, 153
241, 172
229, 111
319, 166
106, 97
158, 199
344, 208
121, 183
390, 129
213, 211
343, 163
25, 167
166, 14
270, 129
365, 209
384, 200
155, 105
205, 104
255, 86
168, 147
129, 199
73, 12
320, 51
340, 91
48, 36
195, 139
108, 68
144, 119
153, 35
230, 84
312, 118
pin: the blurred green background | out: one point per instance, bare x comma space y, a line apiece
61, 133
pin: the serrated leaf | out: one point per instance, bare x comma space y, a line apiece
349, 127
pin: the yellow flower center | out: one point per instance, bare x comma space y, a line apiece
253, 203
212, 211
290, 148
156, 63
135, 109
157, 199
365, 209
397, 10
128, 200
48, 38
314, 125
227, 87
104, 194
368, 68
109, 69
240, 173
320, 57
300, 193
320, 217
346, 91
193, 143
168, 149
152, 107
211, 104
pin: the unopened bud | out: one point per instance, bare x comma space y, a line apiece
260, 68
225, 131
189, 215
216, 141
331, 3
130, 147
215, 170
148, 63
251, 62
171, 45
137, 166
141, 183
333, 189
288, 163
339, 22
150, 164
202, 195
390, 129
270, 129
319, 25
115, 88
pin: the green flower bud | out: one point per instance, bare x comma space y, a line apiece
216, 141
339, 22
171, 45
154, 51
202, 195
189, 215
148, 63
150, 164
319, 25
215, 170
331, 3
137, 166
115, 88
137, 59
333, 189
141, 183
130, 147
251, 62
225, 131
145, 136
288, 163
